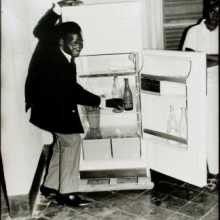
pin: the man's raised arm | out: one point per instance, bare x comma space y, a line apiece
46, 25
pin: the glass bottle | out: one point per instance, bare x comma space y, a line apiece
172, 122
127, 96
116, 91
183, 125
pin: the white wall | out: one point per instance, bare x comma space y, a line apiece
21, 143
152, 21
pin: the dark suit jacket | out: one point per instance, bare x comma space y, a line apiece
51, 90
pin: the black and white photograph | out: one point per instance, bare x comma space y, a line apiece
109, 110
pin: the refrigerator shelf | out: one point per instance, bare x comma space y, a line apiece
107, 74
166, 136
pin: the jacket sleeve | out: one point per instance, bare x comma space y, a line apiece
64, 95
85, 97
45, 32
46, 25
56, 87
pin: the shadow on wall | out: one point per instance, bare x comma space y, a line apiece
2, 183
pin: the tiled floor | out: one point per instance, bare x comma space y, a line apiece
170, 200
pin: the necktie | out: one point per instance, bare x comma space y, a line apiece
73, 65
72, 60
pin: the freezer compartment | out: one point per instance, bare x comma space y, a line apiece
106, 64
167, 67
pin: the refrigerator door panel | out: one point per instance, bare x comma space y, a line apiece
183, 158
212, 119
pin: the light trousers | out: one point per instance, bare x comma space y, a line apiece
63, 170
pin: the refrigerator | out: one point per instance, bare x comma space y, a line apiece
166, 130
171, 123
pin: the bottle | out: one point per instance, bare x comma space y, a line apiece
116, 91
127, 96
172, 122
183, 124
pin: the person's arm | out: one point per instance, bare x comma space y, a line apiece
189, 42
87, 98
45, 26
82, 96
54, 87
212, 60
189, 49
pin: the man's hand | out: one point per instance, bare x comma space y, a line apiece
69, 3
56, 8
116, 103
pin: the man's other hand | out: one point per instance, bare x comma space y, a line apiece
115, 103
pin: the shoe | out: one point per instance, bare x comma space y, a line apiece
72, 200
212, 184
45, 191
82, 202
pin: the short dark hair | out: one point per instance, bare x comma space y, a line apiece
208, 6
68, 27
214, 3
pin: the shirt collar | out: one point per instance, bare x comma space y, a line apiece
205, 27
66, 55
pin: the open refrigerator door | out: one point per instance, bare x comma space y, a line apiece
173, 103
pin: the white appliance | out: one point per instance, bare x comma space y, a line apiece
178, 81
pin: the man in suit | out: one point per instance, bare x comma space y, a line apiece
52, 93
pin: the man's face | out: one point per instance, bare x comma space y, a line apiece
72, 44
213, 17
